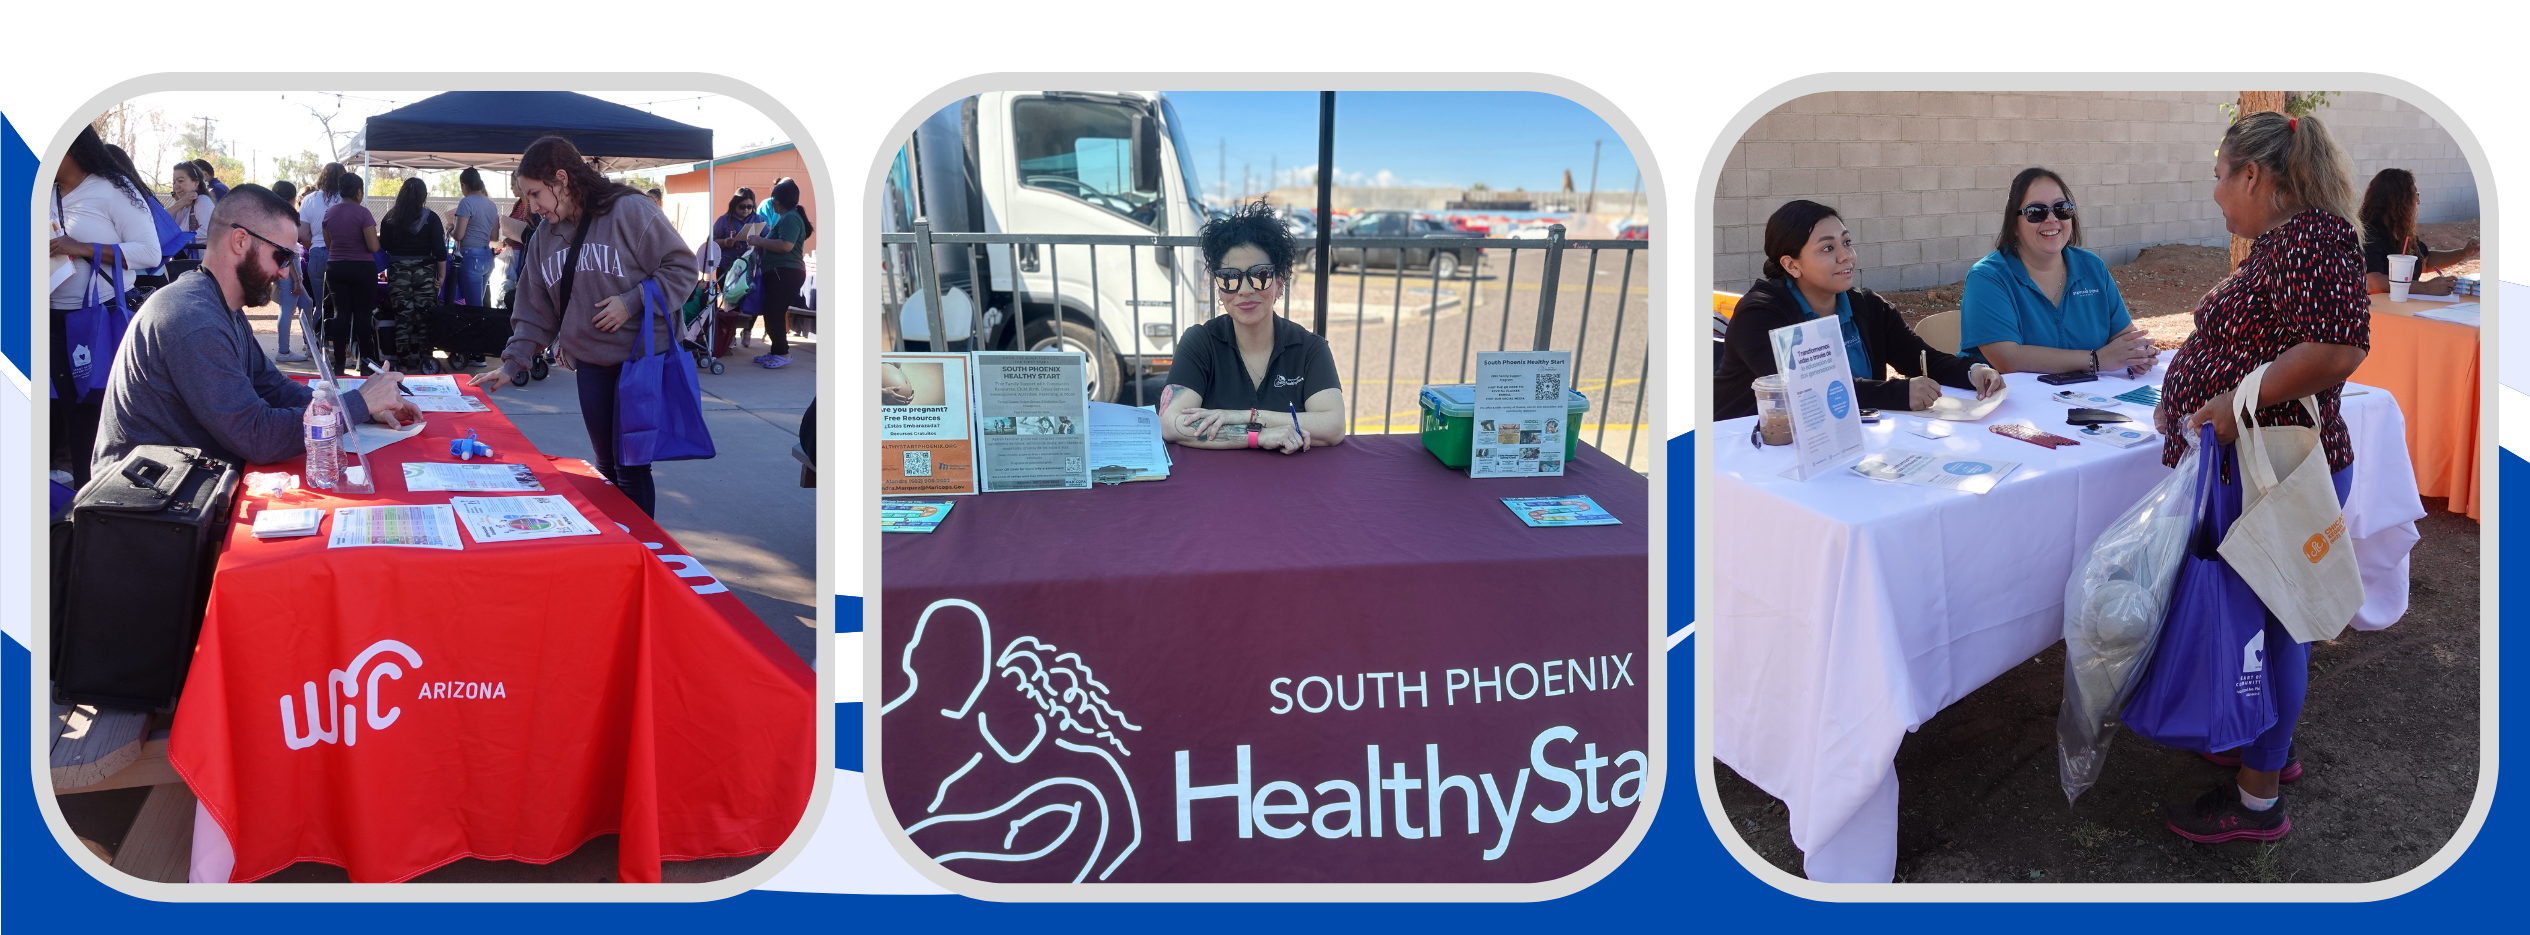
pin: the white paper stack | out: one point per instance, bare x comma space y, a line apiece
283, 524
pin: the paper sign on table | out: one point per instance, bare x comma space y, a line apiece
429, 475
1125, 444
519, 519
1826, 420
1520, 407
926, 425
449, 403
2458, 313
370, 436
1559, 511
427, 526
1924, 469
440, 385
1032, 410
912, 515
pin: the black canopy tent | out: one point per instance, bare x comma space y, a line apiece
489, 129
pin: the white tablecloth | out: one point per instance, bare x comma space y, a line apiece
1848, 611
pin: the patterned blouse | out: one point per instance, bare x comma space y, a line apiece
2302, 281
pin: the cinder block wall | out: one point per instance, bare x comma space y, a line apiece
1921, 176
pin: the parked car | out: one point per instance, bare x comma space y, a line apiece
1451, 250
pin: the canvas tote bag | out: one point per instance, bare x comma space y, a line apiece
2290, 541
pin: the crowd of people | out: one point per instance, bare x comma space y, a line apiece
189, 263
2299, 302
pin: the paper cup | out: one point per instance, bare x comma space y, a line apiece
2402, 276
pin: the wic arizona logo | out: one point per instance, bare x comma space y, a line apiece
2317, 547
344, 684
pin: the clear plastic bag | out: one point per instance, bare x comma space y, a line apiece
2114, 605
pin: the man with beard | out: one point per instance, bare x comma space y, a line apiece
190, 372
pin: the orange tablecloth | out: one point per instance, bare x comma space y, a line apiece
2432, 368
504, 701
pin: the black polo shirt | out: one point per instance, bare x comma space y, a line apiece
1208, 362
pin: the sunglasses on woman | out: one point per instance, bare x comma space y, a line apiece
2034, 212
1229, 280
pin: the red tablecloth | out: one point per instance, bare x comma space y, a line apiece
1228, 645
513, 700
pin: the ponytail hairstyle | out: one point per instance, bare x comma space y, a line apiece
594, 192
1788, 233
2390, 204
286, 191
470, 182
350, 188
786, 198
2307, 163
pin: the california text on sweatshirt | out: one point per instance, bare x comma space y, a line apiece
628, 242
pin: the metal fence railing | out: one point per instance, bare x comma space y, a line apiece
1376, 314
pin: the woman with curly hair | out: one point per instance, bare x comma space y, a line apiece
1247, 378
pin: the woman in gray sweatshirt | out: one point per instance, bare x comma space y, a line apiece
581, 291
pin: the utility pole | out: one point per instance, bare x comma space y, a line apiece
1247, 181
1590, 202
1273, 171
1225, 168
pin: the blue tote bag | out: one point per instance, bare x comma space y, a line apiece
95, 331
658, 399
2206, 688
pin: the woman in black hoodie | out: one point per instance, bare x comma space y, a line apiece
1810, 266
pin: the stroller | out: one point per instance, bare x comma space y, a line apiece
694, 325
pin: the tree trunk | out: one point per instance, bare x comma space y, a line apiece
2254, 102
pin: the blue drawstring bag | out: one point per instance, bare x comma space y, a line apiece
2206, 688
658, 399
95, 331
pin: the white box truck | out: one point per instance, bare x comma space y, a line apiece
1055, 163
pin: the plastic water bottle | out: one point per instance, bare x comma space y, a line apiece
323, 423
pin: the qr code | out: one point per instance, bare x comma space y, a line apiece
1071, 465
1550, 386
917, 464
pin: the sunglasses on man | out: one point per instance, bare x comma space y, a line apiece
281, 256
1229, 280
2035, 212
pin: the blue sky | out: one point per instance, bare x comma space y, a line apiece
1411, 138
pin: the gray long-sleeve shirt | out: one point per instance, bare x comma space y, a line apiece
632, 241
190, 374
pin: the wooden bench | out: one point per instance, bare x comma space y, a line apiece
102, 750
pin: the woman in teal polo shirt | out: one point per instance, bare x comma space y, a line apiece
2040, 304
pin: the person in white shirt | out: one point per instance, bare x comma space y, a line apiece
189, 199
312, 236
96, 204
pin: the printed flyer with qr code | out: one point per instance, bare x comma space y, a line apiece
926, 426
1521, 407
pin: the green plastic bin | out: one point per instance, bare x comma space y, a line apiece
1449, 417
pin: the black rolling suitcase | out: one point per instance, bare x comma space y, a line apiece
145, 538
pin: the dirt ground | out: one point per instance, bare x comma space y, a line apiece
2388, 737
2163, 285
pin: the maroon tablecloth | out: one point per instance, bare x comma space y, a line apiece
1067, 648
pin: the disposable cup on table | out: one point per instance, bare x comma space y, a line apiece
2402, 276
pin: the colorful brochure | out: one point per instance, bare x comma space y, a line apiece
1559, 511
519, 519
430, 526
912, 515
926, 425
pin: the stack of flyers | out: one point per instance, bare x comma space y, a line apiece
433, 475
1559, 511
283, 524
912, 515
449, 403
429, 526
440, 385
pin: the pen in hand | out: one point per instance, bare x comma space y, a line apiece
1295, 424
